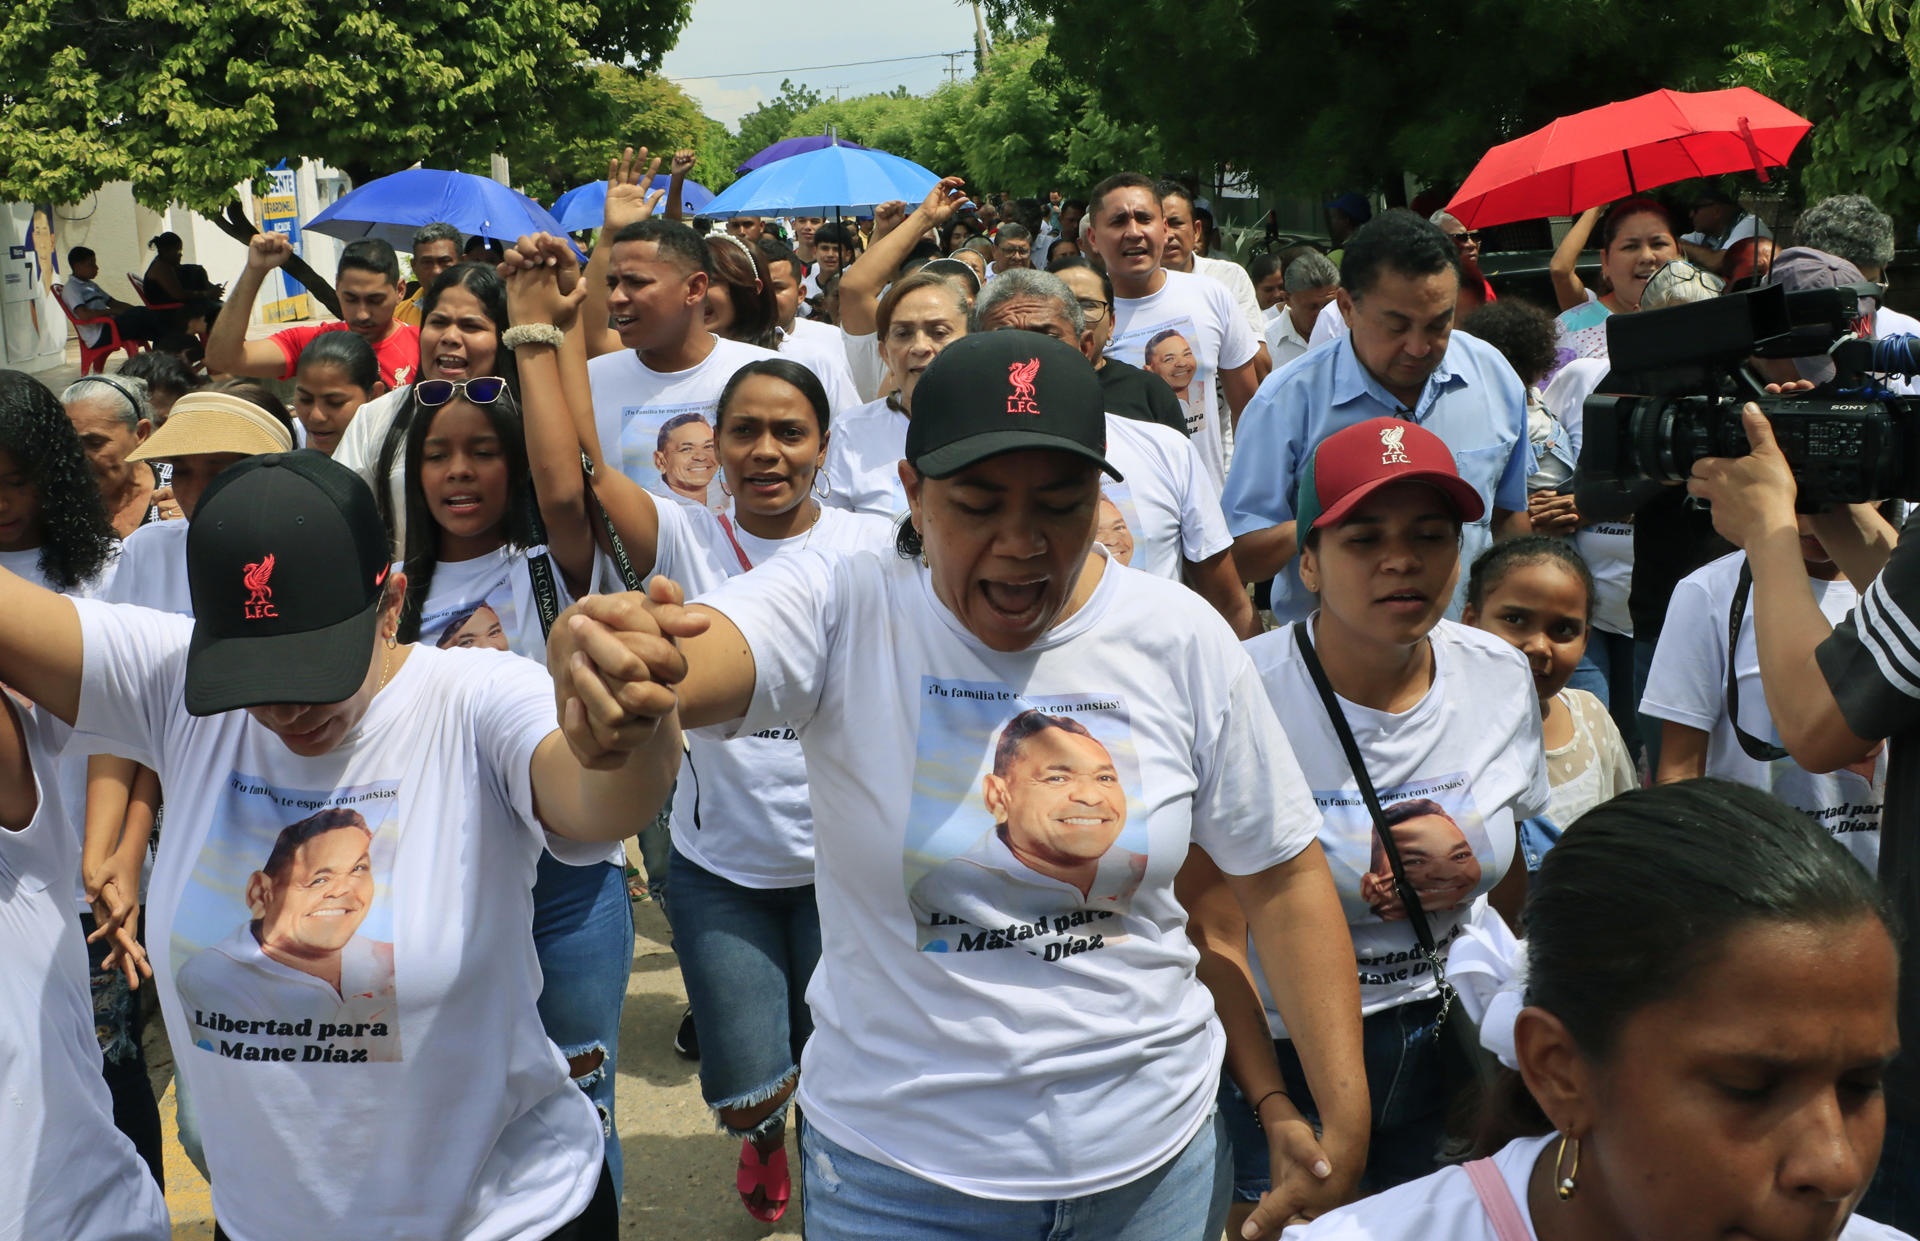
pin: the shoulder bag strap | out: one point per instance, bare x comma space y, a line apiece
1497, 1200
1409, 898
546, 590
1754, 748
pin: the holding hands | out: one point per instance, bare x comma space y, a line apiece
543, 281
615, 661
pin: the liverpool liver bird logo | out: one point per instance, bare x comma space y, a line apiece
259, 603
1021, 375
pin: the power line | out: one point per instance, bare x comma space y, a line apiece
849, 64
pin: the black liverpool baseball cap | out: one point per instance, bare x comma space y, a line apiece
286, 557
996, 392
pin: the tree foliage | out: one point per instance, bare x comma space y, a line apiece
1323, 94
769, 122
571, 141
1860, 85
1023, 126
188, 98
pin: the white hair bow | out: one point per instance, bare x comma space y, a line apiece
1487, 965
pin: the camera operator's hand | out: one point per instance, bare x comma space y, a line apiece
1751, 495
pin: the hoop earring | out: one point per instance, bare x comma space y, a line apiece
723, 485
821, 492
1563, 1175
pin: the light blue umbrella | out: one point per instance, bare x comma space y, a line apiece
585, 206
835, 180
392, 207
787, 148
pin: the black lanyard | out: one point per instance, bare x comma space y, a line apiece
1754, 748
1416, 914
546, 591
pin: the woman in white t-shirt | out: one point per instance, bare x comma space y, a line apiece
1011, 743
863, 330
336, 801
462, 313
1708, 996
920, 316
745, 922
1536, 593
1690, 690
1447, 728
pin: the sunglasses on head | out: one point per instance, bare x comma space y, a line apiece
484, 390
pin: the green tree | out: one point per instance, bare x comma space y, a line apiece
1860, 86
767, 124
1317, 94
188, 98
571, 142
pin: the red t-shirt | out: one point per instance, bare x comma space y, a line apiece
398, 355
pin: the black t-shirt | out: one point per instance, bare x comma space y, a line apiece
1872, 665
1133, 393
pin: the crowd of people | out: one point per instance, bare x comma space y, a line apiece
1127, 744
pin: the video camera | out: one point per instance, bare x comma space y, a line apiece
1679, 378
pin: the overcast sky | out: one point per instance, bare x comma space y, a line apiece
765, 38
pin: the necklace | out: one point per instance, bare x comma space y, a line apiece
818, 508
386, 654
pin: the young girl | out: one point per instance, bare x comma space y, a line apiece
1536, 593
1444, 721
337, 374
740, 300
1713, 708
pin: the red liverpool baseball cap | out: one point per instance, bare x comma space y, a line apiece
286, 558
1353, 463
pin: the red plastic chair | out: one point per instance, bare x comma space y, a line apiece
140, 287
93, 358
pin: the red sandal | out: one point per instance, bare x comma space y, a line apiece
769, 1176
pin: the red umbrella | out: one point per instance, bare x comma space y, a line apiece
1620, 149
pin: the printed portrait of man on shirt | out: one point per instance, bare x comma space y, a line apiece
1443, 842
1439, 862
299, 979
1050, 862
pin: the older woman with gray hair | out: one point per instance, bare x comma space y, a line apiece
1850, 227
112, 417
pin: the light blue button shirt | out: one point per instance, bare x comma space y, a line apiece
1473, 401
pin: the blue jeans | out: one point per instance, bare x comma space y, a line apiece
851, 1198
656, 841
746, 955
1894, 1197
1408, 1081
119, 1024
583, 933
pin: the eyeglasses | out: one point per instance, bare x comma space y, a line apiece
1461, 239
484, 390
1093, 307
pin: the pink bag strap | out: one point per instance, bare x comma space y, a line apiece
1502, 1210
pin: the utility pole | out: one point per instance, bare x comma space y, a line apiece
953, 66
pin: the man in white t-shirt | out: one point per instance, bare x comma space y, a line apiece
1168, 493
1718, 221
813, 344
1182, 253
1127, 228
670, 366
1312, 283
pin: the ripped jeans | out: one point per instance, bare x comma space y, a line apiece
746, 955
583, 933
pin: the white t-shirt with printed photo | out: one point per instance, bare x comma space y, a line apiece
1071, 1034
1470, 750
1688, 685
657, 427
431, 843
741, 809
65, 1171
1217, 336
491, 602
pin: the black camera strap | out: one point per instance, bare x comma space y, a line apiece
1409, 898
1754, 748
546, 592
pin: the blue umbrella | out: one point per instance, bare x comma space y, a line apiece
392, 207
585, 206
786, 148
834, 180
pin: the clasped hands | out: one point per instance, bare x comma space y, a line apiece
615, 662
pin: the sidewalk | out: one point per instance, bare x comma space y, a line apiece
679, 1168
